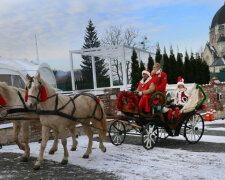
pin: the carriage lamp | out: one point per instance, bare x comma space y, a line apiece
158, 107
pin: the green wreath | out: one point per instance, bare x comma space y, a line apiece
155, 106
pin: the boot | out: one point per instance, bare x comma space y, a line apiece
169, 114
176, 112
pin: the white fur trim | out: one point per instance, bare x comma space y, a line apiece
148, 79
159, 71
146, 72
180, 83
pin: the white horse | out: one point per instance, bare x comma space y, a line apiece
81, 108
13, 100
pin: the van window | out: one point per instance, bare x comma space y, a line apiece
12, 80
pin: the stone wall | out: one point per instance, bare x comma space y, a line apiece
215, 92
109, 98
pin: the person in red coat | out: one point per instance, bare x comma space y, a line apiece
160, 78
145, 89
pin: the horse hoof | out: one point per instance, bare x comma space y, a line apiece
85, 156
73, 149
36, 167
24, 159
64, 162
51, 152
104, 150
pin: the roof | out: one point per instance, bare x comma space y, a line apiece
114, 52
24, 67
212, 50
219, 17
218, 62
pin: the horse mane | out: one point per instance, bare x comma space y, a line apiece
48, 88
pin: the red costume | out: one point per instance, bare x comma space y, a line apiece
144, 102
181, 97
160, 79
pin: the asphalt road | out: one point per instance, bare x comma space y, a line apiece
11, 168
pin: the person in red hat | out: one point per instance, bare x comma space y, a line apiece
181, 97
160, 78
145, 89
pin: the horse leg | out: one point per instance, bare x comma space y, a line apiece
97, 124
89, 133
45, 137
64, 143
25, 129
16, 131
54, 147
72, 130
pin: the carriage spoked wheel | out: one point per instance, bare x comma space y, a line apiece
194, 128
117, 133
150, 136
163, 133
3, 112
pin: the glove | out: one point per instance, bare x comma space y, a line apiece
140, 93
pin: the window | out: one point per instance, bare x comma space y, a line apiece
221, 27
17, 81
12, 80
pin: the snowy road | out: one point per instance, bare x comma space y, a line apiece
134, 162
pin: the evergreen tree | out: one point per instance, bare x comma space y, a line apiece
187, 68
192, 72
150, 63
206, 72
173, 65
142, 67
91, 41
166, 65
158, 55
135, 72
199, 77
180, 65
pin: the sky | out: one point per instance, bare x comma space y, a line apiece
60, 25
133, 162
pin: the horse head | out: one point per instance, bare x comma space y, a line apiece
35, 91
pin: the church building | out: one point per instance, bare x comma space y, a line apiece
214, 52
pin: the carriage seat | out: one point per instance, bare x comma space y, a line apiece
192, 100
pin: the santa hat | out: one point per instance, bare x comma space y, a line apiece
180, 81
146, 71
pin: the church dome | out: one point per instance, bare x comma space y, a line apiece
219, 18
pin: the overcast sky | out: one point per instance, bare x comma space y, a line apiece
60, 24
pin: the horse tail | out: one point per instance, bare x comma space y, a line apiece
103, 121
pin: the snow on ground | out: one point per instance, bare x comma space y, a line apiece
136, 163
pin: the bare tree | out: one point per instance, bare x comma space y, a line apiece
116, 35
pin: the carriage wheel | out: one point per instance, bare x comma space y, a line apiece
117, 133
194, 128
163, 133
150, 136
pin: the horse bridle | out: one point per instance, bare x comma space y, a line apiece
39, 92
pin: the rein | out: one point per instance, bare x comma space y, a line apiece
24, 109
57, 111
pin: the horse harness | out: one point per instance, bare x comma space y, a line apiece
57, 111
